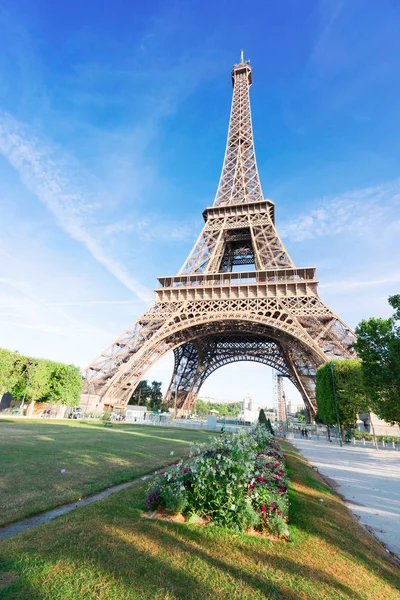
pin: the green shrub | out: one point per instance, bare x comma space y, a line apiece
368, 437
173, 499
237, 480
251, 518
107, 415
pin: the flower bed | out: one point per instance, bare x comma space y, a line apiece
236, 480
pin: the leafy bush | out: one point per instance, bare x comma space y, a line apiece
173, 498
359, 435
237, 480
106, 416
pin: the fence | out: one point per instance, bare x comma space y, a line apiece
323, 436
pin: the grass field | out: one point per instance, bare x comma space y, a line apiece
32, 454
107, 551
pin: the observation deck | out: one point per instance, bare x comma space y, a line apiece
243, 208
271, 283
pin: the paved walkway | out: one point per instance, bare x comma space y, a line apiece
369, 480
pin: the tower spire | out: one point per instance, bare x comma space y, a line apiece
239, 182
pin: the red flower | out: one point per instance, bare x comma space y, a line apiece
260, 478
249, 493
263, 508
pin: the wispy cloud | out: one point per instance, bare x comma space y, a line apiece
48, 178
347, 285
329, 12
152, 229
33, 302
357, 212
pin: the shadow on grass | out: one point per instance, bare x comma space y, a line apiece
129, 568
264, 558
140, 558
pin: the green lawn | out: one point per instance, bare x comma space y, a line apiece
32, 454
107, 551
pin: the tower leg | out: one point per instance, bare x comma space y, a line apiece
186, 368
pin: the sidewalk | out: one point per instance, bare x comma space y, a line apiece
369, 481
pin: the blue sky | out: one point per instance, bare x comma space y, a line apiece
113, 123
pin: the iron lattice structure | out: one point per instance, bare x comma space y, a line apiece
280, 397
211, 314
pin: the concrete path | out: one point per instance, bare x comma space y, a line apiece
369, 480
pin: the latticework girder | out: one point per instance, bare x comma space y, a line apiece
196, 360
210, 315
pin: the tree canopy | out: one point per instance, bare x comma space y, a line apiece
262, 419
345, 378
224, 410
378, 346
149, 395
39, 380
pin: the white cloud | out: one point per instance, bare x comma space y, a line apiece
151, 229
356, 212
44, 175
343, 287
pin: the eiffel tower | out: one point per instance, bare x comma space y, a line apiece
212, 313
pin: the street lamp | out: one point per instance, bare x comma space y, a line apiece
26, 389
330, 366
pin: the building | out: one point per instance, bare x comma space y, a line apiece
380, 427
135, 413
250, 410
293, 408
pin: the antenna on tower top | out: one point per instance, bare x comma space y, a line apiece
242, 56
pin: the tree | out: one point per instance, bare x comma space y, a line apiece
64, 384
7, 368
378, 346
262, 418
343, 378
300, 416
269, 426
231, 409
156, 397
148, 395
20, 377
38, 380
141, 395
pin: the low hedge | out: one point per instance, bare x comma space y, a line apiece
237, 480
359, 435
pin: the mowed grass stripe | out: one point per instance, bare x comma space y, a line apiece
107, 551
33, 453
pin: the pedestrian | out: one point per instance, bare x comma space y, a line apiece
302, 433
